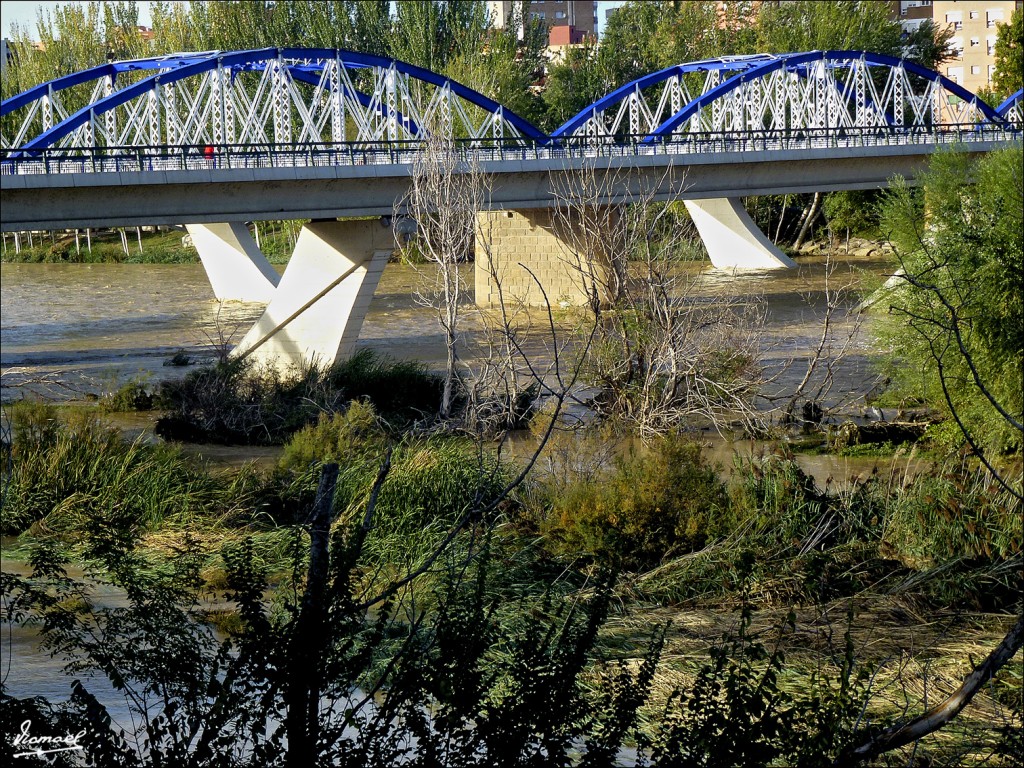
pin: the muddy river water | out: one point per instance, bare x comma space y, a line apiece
72, 332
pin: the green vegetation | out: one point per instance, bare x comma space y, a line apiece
276, 238
68, 472
1009, 76
468, 641
238, 402
653, 505
958, 321
107, 248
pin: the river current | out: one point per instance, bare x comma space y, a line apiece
71, 331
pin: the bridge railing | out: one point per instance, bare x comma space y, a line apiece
136, 159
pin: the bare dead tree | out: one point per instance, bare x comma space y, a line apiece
832, 347
446, 193
666, 348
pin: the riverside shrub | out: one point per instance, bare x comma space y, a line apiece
236, 401
69, 469
653, 504
430, 485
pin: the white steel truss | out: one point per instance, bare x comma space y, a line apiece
278, 101
820, 94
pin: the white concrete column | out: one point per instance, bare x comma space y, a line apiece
234, 264
318, 308
732, 239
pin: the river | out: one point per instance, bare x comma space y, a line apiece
72, 332
75, 331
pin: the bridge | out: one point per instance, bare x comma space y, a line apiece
212, 140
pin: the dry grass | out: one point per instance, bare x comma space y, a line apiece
914, 659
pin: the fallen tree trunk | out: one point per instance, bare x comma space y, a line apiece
895, 432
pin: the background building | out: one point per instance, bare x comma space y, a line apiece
974, 33
911, 13
570, 21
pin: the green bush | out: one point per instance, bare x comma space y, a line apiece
431, 484
132, 396
236, 401
653, 504
343, 436
400, 390
777, 497
66, 472
946, 515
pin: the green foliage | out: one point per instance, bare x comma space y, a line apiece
461, 684
400, 390
806, 25
71, 473
629, 47
235, 401
776, 493
854, 212
572, 84
947, 515
1009, 76
958, 323
738, 713
157, 248
654, 504
349, 436
133, 396
432, 483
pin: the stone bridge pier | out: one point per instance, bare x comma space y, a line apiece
527, 257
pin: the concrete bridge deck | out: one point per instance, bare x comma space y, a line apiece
108, 189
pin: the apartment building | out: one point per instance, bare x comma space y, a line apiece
911, 13
975, 25
570, 21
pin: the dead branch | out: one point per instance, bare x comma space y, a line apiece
935, 718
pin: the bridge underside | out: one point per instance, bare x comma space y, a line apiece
57, 201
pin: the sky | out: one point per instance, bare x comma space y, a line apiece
23, 12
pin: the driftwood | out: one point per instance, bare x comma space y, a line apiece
895, 432
906, 733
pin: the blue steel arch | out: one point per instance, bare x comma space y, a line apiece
110, 69
754, 66
189, 65
163, 63
1013, 100
725, 63
798, 59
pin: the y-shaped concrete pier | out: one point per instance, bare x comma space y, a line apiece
316, 308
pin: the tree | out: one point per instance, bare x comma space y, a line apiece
805, 25
842, 25
1009, 76
659, 354
446, 193
572, 84
506, 68
959, 316
630, 44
